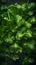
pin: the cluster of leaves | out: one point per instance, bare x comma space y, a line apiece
18, 32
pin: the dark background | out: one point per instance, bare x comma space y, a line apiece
16, 1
